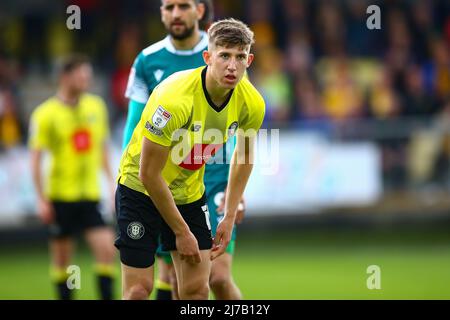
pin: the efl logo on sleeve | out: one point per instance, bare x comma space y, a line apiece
161, 117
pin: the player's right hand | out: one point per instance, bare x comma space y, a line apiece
46, 211
222, 238
187, 247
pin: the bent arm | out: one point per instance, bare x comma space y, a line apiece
240, 170
153, 160
36, 160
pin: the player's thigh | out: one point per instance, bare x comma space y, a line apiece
101, 242
221, 267
67, 222
192, 275
196, 217
61, 250
139, 224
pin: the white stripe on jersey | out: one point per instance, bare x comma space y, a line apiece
136, 88
167, 44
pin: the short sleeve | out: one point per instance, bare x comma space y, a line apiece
39, 137
254, 116
137, 87
160, 120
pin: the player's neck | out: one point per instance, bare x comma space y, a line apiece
217, 93
67, 96
187, 44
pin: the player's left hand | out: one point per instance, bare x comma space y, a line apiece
222, 238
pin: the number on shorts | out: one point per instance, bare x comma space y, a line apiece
206, 211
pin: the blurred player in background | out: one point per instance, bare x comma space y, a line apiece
73, 127
160, 194
180, 50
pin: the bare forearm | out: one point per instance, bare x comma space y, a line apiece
106, 164
36, 173
239, 175
163, 200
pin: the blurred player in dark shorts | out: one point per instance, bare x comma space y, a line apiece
72, 127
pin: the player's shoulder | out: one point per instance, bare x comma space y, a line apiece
154, 48
250, 94
47, 107
180, 84
176, 93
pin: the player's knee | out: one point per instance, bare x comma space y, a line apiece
139, 291
219, 280
105, 254
110, 252
194, 291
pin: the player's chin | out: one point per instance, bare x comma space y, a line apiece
229, 84
178, 30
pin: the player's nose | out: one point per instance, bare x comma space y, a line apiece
176, 12
232, 65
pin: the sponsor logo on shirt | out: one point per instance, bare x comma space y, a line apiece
152, 129
196, 127
81, 140
199, 155
161, 117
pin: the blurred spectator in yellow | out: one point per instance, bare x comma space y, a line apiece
59, 40
341, 96
10, 133
9, 126
274, 84
383, 100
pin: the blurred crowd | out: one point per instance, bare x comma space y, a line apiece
316, 62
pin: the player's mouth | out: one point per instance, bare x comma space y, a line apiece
230, 78
178, 24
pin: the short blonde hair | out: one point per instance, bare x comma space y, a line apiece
230, 33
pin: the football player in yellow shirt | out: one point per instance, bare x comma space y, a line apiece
188, 117
73, 127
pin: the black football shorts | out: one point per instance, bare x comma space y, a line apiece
140, 224
72, 218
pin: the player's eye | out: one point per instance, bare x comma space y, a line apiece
169, 7
224, 55
185, 6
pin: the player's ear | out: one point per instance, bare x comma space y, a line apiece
200, 10
250, 58
206, 57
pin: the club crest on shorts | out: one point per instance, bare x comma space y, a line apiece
161, 117
135, 230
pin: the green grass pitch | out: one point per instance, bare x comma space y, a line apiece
313, 265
